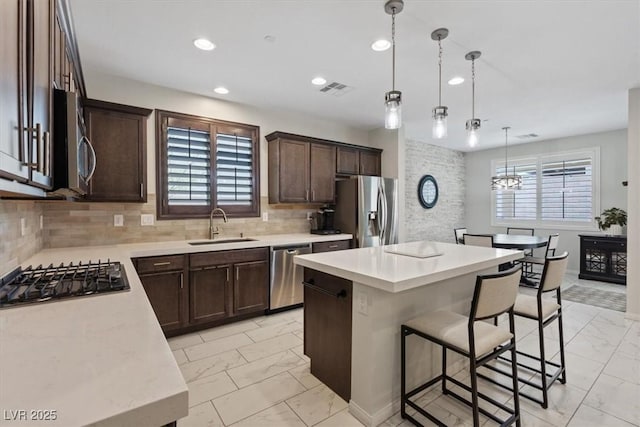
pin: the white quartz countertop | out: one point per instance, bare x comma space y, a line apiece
99, 360
392, 272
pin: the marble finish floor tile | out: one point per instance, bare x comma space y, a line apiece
563, 402
218, 346
211, 365
591, 346
183, 341
624, 366
299, 350
271, 331
616, 397
341, 419
253, 372
279, 415
250, 400
209, 388
303, 374
268, 347
228, 330
317, 404
581, 372
586, 416
202, 415
180, 356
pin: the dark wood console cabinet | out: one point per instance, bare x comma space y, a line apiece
603, 258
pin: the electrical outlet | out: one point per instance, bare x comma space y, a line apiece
309, 214
265, 216
146, 219
23, 227
118, 220
363, 303
41, 222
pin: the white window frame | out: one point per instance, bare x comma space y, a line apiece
593, 153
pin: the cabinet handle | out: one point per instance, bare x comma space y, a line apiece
306, 196
46, 147
333, 246
228, 274
340, 294
142, 190
313, 194
181, 280
158, 264
33, 133
38, 138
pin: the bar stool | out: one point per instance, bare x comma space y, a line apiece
543, 311
481, 342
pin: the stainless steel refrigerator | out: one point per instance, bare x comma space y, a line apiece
367, 207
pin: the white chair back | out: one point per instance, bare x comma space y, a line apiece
459, 233
485, 240
495, 293
552, 245
553, 273
520, 231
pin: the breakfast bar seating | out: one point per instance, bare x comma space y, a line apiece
479, 341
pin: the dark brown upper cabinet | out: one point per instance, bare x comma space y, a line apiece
118, 134
303, 169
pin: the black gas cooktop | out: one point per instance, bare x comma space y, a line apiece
53, 283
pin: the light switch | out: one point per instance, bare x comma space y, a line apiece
118, 220
265, 216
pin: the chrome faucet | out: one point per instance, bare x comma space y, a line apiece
216, 230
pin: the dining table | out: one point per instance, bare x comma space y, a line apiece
518, 241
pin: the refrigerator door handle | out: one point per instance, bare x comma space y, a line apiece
383, 212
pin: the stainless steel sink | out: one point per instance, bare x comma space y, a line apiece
219, 241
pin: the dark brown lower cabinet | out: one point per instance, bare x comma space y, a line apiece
209, 290
251, 287
165, 293
190, 292
327, 329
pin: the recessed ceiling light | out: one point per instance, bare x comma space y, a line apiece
269, 38
456, 81
204, 44
318, 81
380, 45
221, 90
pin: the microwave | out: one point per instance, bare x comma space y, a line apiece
74, 159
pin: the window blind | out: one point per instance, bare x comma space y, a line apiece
567, 190
188, 167
234, 166
519, 204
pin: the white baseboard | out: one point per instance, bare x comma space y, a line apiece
632, 316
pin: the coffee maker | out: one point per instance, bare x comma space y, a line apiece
322, 221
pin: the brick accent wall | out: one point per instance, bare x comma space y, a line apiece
448, 168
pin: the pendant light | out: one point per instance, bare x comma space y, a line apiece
473, 124
393, 98
506, 181
439, 112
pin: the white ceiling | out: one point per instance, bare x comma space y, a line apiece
554, 68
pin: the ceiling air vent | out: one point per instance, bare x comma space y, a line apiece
336, 89
527, 136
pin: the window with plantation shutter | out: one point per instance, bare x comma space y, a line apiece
557, 190
205, 163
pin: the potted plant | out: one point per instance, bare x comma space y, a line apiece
612, 218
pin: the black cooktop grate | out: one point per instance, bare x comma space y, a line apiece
52, 283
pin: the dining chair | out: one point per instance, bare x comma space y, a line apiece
543, 311
485, 240
529, 261
519, 231
470, 337
459, 233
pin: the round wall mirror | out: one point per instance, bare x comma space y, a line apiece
428, 191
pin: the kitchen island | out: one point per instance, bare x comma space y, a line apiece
384, 290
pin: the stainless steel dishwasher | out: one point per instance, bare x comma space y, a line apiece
286, 278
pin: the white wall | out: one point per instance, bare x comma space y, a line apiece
124, 91
613, 170
633, 194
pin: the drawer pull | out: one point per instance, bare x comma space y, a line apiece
333, 246
181, 280
341, 294
158, 264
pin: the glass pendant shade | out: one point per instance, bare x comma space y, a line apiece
439, 122
393, 110
473, 127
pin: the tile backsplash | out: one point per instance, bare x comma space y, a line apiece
16, 247
69, 224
